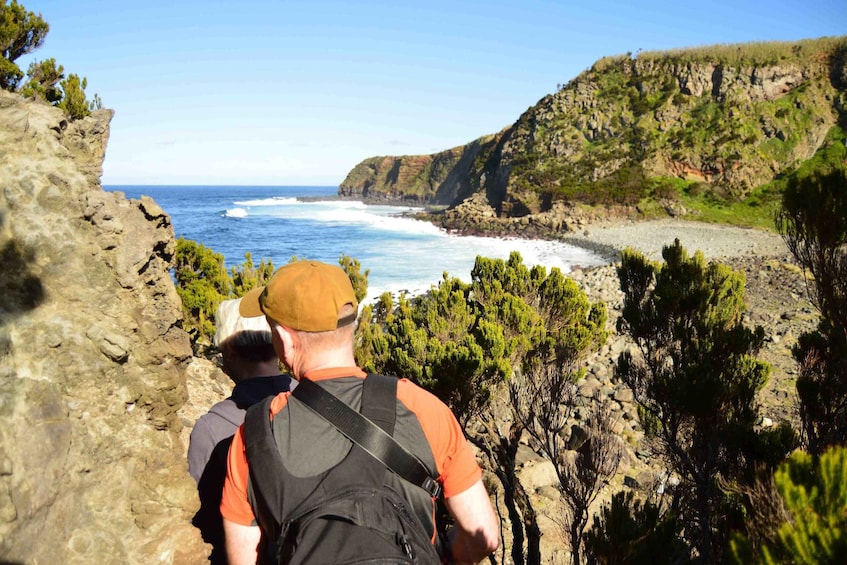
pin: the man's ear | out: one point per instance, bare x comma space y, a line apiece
276, 329
285, 337
284, 342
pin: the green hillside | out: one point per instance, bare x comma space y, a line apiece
707, 132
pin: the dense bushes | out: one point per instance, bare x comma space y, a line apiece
512, 342
202, 283
813, 222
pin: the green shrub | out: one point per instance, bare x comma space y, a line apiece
73, 101
815, 496
44, 79
694, 373
21, 33
813, 222
202, 283
632, 532
667, 188
245, 277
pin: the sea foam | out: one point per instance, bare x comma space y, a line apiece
236, 213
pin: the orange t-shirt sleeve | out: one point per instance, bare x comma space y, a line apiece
457, 466
235, 506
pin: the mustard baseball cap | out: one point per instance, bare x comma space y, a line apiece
305, 296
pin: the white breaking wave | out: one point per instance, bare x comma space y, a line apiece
373, 218
236, 213
275, 201
400, 252
412, 255
414, 267
345, 212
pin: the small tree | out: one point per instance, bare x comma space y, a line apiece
584, 460
202, 283
813, 223
462, 341
246, 276
544, 396
358, 278
73, 101
695, 378
21, 33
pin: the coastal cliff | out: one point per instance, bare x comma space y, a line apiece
731, 117
92, 360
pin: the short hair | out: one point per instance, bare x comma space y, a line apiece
333, 338
250, 345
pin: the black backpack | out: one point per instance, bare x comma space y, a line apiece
351, 513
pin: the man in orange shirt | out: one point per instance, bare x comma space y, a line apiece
311, 308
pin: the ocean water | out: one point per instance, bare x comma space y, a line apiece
402, 254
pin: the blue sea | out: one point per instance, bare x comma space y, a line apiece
272, 222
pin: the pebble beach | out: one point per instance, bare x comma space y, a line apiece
650, 236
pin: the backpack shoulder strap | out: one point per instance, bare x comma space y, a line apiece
364, 432
379, 401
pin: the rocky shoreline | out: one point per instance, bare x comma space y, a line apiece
776, 299
776, 289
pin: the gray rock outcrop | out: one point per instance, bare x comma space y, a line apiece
92, 361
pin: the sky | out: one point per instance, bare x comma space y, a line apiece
290, 92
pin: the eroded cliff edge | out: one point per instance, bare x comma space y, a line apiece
92, 361
733, 117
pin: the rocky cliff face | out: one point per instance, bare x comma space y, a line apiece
438, 179
92, 362
734, 117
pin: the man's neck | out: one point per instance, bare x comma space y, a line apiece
324, 360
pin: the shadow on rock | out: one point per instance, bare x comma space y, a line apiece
20, 290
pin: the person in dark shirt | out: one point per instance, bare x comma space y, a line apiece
249, 359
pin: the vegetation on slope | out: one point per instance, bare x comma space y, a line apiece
732, 118
709, 133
